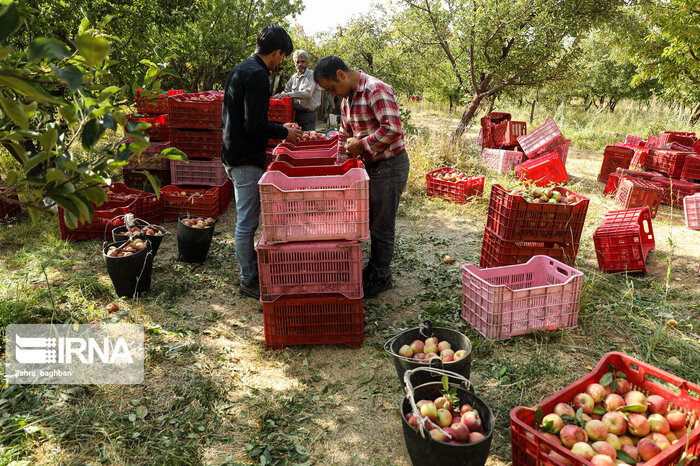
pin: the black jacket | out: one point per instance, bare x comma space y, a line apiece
244, 116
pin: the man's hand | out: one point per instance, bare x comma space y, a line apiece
292, 125
353, 146
281, 95
293, 135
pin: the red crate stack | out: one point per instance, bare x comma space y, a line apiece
314, 215
674, 190
178, 200
488, 122
544, 139
614, 179
633, 192
156, 103
684, 138
614, 157
196, 143
199, 110
624, 239
691, 210
148, 206
459, 189
280, 110
105, 217
9, 210
158, 131
543, 171
691, 168
505, 134
668, 162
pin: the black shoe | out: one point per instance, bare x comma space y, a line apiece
251, 289
377, 286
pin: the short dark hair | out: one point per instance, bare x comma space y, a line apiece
327, 67
274, 37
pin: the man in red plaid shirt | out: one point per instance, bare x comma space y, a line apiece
371, 131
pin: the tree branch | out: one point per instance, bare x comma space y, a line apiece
520, 73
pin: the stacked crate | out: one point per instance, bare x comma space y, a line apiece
517, 230
314, 216
614, 157
279, 111
498, 138
195, 129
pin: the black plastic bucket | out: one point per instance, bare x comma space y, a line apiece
193, 243
132, 274
425, 330
423, 450
119, 234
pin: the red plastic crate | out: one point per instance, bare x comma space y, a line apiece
502, 302
543, 171
512, 218
691, 210
458, 192
281, 110
314, 320
633, 192
136, 180
696, 146
652, 142
640, 156
675, 190
501, 161
298, 153
642, 175
309, 267
487, 124
200, 110
563, 151
315, 203
157, 103
668, 162
497, 252
198, 144
202, 202
506, 133
9, 210
198, 172
148, 160
318, 144
148, 206
624, 239
611, 185
634, 140
104, 219
225, 195
614, 157
294, 161
691, 168
542, 140
531, 448
687, 139
158, 131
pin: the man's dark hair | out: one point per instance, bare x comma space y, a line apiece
327, 66
274, 37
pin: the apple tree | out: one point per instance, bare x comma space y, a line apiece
61, 124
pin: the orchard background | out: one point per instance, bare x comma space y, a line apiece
213, 393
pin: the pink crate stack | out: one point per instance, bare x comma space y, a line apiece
544, 139
500, 160
198, 172
691, 210
502, 302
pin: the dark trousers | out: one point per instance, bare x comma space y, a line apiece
387, 180
307, 120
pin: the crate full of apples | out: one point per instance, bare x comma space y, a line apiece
615, 415
453, 185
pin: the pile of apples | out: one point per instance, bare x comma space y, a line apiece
198, 222
127, 249
312, 136
623, 420
447, 423
539, 195
451, 175
148, 230
424, 351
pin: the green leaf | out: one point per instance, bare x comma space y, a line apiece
86, 210
12, 177
107, 93
173, 154
69, 208
48, 139
9, 20
92, 131
26, 88
155, 183
539, 415
4, 52
44, 47
635, 408
34, 214
621, 375
120, 117
613, 385
93, 49
69, 75
445, 383
599, 410
14, 111
30, 108
547, 426
54, 174
141, 412
624, 457
68, 113
108, 122
606, 379
96, 195
34, 160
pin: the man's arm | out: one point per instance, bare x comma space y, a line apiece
256, 100
344, 132
383, 103
306, 87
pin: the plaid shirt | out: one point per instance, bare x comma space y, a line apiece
373, 117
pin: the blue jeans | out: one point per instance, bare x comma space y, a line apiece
245, 185
387, 180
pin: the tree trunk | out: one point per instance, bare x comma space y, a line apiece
611, 104
467, 116
532, 110
694, 115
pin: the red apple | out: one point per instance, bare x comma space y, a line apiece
583, 450
635, 397
447, 352
648, 449
444, 418
660, 440
596, 430
405, 351
556, 420
659, 424
676, 419
438, 435
443, 403
571, 434
585, 402
472, 420
602, 460
464, 408
657, 404
417, 346
615, 423
638, 425
626, 440
604, 448
459, 354
561, 409
596, 391
557, 457
443, 345
475, 437
460, 432
613, 401
632, 451
623, 386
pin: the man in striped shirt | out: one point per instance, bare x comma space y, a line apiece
371, 131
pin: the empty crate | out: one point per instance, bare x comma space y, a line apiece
669, 162
501, 302
314, 267
623, 240
691, 209
542, 140
614, 157
497, 252
198, 172
691, 168
543, 171
456, 191
633, 192
681, 137
506, 133
501, 160
674, 190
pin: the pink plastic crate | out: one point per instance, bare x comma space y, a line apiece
691, 209
501, 161
313, 207
198, 172
691, 168
309, 267
292, 160
502, 302
634, 140
542, 140
652, 142
543, 171
305, 153
623, 240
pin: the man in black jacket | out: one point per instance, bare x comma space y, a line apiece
245, 134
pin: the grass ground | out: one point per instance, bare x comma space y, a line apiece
214, 395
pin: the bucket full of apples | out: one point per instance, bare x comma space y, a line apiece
430, 346
129, 265
194, 236
143, 230
444, 422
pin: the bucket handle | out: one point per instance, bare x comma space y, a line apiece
411, 398
425, 329
124, 220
